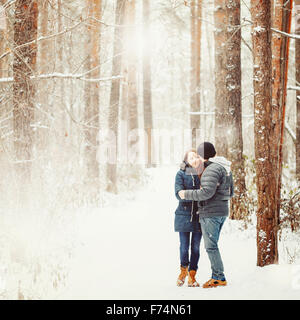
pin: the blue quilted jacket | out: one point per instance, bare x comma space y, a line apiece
186, 216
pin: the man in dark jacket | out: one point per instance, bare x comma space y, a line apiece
213, 202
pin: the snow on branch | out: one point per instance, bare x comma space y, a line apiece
289, 35
297, 88
8, 4
212, 113
42, 38
290, 132
6, 80
66, 30
73, 76
57, 75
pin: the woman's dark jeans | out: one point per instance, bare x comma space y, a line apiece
185, 239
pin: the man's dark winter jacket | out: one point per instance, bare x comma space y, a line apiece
216, 189
186, 217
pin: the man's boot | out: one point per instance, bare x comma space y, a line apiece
212, 283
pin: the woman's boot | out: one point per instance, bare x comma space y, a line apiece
182, 276
192, 280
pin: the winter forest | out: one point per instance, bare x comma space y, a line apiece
100, 100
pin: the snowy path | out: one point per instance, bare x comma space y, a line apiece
130, 251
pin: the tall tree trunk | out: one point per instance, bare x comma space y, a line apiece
44, 67
147, 86
196, 11
287, 23
91, 113
267, 220
2, 48
221, 112
113, 118
131, 100
297, 71
234, 105
280, 53
197, 119
61, 67
24, 65
3, 27
277, 83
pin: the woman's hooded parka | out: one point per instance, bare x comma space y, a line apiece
186, 215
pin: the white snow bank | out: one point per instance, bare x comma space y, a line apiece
128, 250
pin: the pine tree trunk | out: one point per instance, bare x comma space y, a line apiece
2, 34
131, 99
267, 220
277, 83
91, 113
297, 71
284, 11
113, 118
61, 67
44, 68
234, 105
24, 65
221, 112
3, 27
147, 85
198, 59
196, 9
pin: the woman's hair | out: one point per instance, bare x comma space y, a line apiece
187, 153
186, 156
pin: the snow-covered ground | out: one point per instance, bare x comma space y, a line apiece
129, 250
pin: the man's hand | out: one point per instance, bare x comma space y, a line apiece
181, 194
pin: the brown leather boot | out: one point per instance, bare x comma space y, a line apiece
182, 276
212, 283
192, 280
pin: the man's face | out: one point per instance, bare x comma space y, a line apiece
202, 159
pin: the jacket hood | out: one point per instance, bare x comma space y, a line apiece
223, 162
183, 165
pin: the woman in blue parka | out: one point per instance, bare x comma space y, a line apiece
187, 218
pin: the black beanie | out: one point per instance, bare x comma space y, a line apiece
206, 150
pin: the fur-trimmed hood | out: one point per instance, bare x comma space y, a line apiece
223, 162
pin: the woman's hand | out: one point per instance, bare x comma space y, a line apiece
181, 194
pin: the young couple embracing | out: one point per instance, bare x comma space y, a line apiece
203, 186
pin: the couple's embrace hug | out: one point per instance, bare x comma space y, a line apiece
203, 186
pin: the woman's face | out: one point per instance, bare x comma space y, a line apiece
193, 159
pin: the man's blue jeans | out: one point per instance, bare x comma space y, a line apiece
195, 249
211, 228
